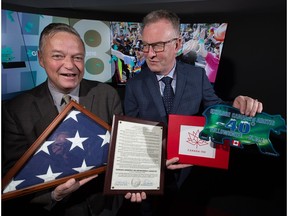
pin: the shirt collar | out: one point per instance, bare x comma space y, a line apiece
57, 95
171, 74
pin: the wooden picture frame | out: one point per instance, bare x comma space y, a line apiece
137, 156
84, 121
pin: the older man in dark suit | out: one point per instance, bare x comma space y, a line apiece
25, 117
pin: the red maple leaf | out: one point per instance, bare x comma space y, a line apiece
193, 139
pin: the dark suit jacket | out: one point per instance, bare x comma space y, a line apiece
143, 100
26, 116
193, 89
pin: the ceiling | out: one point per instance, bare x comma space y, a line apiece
141, 7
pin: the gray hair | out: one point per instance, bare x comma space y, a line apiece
54, 28
157, 15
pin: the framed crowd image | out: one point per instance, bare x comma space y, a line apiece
137, 155
74, 145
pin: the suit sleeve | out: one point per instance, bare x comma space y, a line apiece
209, 96
117, 104
130, 102
14, 143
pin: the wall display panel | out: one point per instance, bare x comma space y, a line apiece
113, 52
20, 36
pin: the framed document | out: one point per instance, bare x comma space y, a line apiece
183, 141
136, 159
74, 145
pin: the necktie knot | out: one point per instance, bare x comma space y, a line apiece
65, 99
168, 93
167, 80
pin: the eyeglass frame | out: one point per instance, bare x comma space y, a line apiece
162, 43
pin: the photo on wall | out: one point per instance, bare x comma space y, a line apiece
202, 46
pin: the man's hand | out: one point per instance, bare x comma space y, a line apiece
68, 187
172, 164
136, 197
247, 106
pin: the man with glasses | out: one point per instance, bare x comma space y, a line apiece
161, 42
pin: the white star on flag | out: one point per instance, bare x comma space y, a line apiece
12, 185
44, 147
83, 167
72, 115
49, 175
106, 138
77, 141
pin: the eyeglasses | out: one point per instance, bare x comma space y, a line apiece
157, 47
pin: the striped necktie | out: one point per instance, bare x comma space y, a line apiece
65, 100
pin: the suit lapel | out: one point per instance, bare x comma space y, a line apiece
46, 107
85, 99
181, 78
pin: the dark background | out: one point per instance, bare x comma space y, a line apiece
253, 63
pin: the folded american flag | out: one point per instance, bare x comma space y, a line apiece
76, 145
